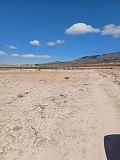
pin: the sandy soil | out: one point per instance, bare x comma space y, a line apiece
44, 116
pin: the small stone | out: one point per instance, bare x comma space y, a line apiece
119, 83
17, 128
26, 92
20, 95
66, 77
62, 95
83, 89
48, 138
42, 106
1, 150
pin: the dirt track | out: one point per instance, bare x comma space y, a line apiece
44, 116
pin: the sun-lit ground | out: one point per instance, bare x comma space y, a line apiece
58, 114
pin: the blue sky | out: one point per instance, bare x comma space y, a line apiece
37, 31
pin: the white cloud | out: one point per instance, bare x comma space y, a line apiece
15, 55
60, 41
31, 56
11, 46
81, 28
35, 56
111, 29
2, 53
35, 43
51, 44
54, 43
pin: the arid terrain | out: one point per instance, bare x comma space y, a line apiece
58, 114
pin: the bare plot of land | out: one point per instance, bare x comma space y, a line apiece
58, 115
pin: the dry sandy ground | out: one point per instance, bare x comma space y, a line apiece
44, 116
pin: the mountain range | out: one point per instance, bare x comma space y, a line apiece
96, 59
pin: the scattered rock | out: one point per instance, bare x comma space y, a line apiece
43, 115
53, 99
62, 95
119, 83
20, 95
83, 89
66, 77
26, 92
48, 138
1, 150
43, 106
16, 128
115, 80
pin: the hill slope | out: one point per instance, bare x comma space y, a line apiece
105, 58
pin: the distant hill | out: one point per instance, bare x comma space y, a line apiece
96, 59
105, 58
87, 61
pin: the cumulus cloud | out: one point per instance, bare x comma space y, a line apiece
35, 43
111, 29
54, 43
60, 41
11, 47
51, 44
81, 28
35, 56
15, 55
31, 56
2, 53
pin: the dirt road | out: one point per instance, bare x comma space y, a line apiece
44, 116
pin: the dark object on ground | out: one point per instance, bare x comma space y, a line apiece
66, 77
112, 146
